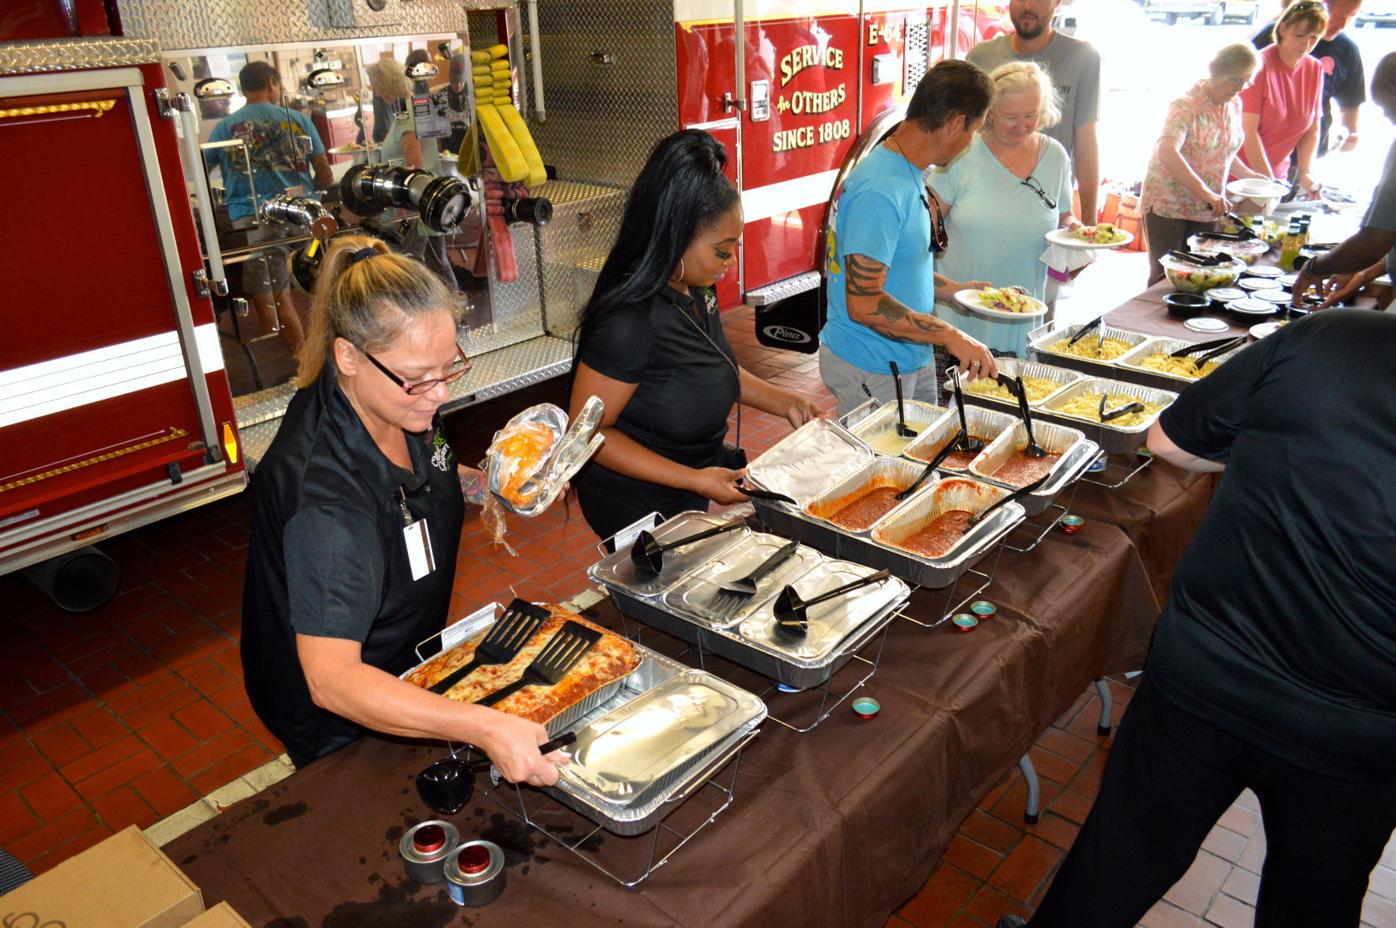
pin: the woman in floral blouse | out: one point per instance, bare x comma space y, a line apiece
1184, 187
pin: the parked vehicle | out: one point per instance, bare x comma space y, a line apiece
1213, 12
1377, 13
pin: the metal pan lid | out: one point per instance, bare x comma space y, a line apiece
700, 598
829, 622
625, 753
805, 462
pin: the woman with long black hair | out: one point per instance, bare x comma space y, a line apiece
651, 346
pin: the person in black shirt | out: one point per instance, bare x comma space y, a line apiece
1343, 78
1273, 667
356, 517
651, 346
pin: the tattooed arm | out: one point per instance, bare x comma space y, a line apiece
870, 305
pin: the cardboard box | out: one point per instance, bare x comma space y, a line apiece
220, 916
124, 882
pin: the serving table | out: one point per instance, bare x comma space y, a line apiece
833, 828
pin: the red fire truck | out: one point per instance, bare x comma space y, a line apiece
130, 388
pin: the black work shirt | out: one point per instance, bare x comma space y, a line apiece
1281, 622
685, 388
328, 557
1343, 78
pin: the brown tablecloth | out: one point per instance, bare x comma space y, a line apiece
836, 827
1159, 509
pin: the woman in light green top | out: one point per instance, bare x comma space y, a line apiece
1009, 189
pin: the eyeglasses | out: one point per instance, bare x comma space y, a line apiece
424, 386
1035, 186
940, 238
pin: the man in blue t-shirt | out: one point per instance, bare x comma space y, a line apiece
273, 137
882, 280
1343, 78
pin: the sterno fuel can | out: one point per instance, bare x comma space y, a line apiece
425, 846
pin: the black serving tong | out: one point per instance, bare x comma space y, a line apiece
447, 785
1229, 341
1033, 450
506, 638
968, 443
562, 652
1223, 236
904, 430
1116, 413
769, 495
946, 450
1088, 327
1243, 228
790, 610
1219, 350
1192, 257
1015, 495
647, 554
746, 586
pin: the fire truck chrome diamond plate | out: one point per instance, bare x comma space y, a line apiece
75, 54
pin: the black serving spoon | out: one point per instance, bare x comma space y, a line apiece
790, 610
968, 443
1015, 495
946, 450
1033, 450
904, 430
447, 785
647, 554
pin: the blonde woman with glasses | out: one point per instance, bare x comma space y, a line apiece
1283, 105
1009, 189
1184, 188
357, 510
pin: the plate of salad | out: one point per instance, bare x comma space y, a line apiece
1001, 302
1103, 235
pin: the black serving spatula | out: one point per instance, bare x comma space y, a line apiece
968, 443
506, 638
747, 586
904, 430
946, 450
790, 610
562, 652
1033, 450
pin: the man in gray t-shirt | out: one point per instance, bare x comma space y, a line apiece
1074, 67
1363, 257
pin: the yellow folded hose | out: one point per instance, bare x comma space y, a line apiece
497, 51
480, 58
537, 173
507, 156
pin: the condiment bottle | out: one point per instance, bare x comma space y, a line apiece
1289, 248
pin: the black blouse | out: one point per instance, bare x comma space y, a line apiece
328, 558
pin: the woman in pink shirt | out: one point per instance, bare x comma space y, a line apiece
1281, 109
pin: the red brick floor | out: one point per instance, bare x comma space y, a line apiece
125, 715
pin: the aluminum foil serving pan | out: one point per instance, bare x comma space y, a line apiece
895, 473
617, 571
1114, 437
916, 513
845, 625
984, 424
642, 753
475, 627
1131, 367
879, 428
1043, 342
1052, 438
802, 464
1015, 367
700, 598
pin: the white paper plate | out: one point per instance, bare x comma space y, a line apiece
1262, 329
1252, 305
969, 299
1206, 324
1224, 294
1065, 239
1264, 270
1273, 296
1258, 283
1288, 280
1253, 188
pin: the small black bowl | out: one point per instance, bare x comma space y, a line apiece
1185, 305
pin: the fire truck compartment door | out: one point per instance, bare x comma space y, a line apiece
102, 368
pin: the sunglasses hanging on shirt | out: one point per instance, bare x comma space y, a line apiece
1033, 184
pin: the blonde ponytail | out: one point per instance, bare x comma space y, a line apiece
366, 300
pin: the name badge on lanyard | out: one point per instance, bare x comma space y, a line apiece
418, 538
